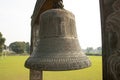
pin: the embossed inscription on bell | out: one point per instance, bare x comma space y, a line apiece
57, 48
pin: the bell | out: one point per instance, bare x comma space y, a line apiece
57, 48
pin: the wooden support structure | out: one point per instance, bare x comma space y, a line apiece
35, 75
110, 19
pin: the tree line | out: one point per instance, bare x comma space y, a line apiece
17, 47
92, 51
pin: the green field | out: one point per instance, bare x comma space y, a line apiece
12, 68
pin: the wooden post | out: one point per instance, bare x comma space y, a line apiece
110, 19
35, 75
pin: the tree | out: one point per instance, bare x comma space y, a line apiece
18, 47
2, 41
27, 49
99, 50
89, 50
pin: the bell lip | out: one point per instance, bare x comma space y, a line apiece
80, 65
59, 69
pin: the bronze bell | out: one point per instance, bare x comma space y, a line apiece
57, 48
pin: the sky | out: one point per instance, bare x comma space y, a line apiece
15, 20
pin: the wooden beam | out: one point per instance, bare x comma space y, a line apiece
110, 19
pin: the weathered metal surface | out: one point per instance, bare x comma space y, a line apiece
57, 47
110, 18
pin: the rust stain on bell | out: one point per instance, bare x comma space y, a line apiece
57, 46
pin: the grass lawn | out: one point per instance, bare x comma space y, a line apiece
12, 68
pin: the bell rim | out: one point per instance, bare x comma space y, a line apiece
51, 64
